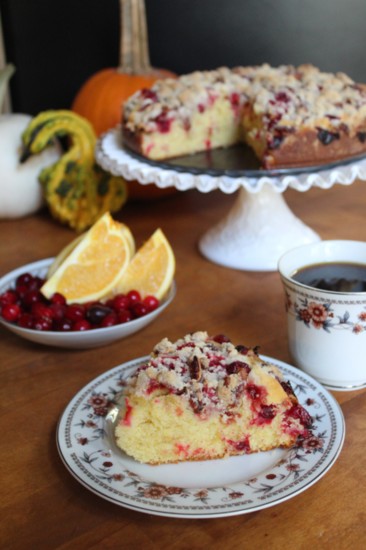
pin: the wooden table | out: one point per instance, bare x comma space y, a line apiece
44, 507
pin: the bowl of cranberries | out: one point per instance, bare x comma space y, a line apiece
54, 322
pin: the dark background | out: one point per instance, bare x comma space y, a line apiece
56, 46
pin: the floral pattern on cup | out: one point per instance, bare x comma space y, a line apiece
321, 315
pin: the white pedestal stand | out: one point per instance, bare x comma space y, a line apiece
259, 228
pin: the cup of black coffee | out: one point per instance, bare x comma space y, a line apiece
325, 299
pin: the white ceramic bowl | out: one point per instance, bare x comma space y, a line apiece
77, 340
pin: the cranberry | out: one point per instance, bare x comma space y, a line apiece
163, 123
62, 325
42, 310
220, 338
273, 120
11, 312
42, 323
35, 283
297, 411
267, 412
147, 93
22, 291
81, 325
120, 301
58, 298
150, 302
133, 297
32, 297
237, 366
74, 312
361, 136
235, 99
282, 97
8, 297
58, 310
242, 349
24, 279
25, 320
96, 313
254, 391
109, 320
327, 137
242, 445
124, 315
139, 309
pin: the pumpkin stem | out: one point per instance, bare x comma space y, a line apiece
134, 48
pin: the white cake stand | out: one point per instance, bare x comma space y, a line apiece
260, 226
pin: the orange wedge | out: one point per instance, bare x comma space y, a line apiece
92, 267
63, 255
70, 247
151, 270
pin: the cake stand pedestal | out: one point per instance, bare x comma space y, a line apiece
258, 229
260, 226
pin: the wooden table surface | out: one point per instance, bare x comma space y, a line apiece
44, 507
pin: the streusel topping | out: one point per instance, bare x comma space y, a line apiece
288, 96
211, 373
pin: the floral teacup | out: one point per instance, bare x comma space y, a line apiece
326, 328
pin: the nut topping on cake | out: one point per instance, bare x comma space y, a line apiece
195, 369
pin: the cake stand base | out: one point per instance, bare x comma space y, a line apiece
258, 229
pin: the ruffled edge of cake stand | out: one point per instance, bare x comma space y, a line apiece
112, 157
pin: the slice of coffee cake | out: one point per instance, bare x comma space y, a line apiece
203, 398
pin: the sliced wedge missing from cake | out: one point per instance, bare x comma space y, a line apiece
203, 398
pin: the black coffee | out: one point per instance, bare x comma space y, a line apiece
337, 276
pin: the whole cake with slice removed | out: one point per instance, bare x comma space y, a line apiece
203, 398
289, 116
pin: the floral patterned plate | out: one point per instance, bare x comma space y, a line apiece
206, 489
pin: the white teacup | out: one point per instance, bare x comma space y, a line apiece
326, 328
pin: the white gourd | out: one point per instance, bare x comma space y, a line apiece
20, 190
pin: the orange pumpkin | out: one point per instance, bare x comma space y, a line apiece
101, 97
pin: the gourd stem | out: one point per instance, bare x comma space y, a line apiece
134, 48
5, 75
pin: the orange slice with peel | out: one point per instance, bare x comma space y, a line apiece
70, 247
151, 270
63, 255
91, 269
